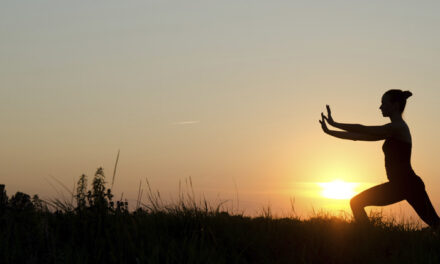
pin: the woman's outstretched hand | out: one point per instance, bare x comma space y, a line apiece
323, 124
329, 117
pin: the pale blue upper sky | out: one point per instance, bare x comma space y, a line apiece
221, 91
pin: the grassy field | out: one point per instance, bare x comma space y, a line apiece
95, 229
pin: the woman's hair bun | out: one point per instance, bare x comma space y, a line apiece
406, 94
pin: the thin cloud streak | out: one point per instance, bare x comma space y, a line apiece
187, 122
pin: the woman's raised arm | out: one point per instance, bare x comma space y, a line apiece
348, 135
383, 131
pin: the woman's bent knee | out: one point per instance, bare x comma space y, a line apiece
355, 203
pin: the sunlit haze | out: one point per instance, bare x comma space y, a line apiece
227, 93
338, 189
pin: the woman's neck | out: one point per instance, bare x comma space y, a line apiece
396, 117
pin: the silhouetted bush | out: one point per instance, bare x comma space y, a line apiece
21, 202
3, 198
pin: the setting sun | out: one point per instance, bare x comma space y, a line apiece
338, 189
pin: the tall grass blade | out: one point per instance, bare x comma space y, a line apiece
114, 171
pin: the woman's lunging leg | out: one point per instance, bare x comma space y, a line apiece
383, 194
421, 203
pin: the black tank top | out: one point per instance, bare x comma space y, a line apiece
398, 159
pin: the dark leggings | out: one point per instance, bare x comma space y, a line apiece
412, 190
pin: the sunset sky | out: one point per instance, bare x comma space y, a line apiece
228, 93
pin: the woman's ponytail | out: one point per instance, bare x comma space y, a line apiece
406, 94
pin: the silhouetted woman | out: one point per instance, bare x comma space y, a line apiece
403, 183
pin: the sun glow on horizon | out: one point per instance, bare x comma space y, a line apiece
338, 189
